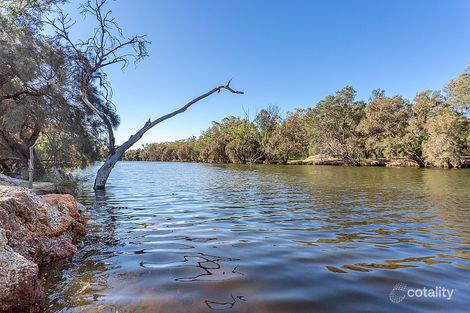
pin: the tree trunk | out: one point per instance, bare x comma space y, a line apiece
31, 166
111, 160
115, 154
284, 160
103, 174
419, 160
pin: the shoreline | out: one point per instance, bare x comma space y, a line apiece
330, 161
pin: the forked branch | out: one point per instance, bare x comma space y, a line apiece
90, 57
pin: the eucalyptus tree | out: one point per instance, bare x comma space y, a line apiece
332, 125
28, 14
447, 138
212, 144
424, 108
106, 47
458, 93
458, 97
28, 72
38, 96
22, 91
289, 138
384, 124
448, 126
242, 136
233, 139
266, 122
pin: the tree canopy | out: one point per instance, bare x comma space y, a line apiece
39, 98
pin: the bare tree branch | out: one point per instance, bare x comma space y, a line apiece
190, 103
108, 46
115, 156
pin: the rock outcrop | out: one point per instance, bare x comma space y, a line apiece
34, 230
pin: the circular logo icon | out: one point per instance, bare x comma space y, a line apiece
398, 293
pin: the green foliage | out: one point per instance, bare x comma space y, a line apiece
212, 144
423, 109
289, 139
177, 151
28, 14
448, 131
39, 98
332, 124
133, 155
242, 145
458, 93
266, 122
64, 183
40, 103
233, 140
384, 124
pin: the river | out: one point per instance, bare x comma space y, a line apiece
188, 237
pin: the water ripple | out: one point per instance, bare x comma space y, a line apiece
174, 237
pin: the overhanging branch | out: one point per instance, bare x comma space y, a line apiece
134, 138
195, 100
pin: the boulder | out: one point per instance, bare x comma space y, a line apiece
19, 286
34, 230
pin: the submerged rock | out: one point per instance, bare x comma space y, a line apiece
34, 231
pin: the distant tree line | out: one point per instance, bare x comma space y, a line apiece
432, 130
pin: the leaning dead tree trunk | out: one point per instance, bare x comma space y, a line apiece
106, 47
115, 154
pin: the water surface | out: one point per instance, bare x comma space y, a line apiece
182, 237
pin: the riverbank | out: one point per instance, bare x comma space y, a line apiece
392, 162
321, 159
34, 231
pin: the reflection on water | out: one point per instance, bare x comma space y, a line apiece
176, 237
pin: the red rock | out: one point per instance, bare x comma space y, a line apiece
60, 200
62, 249
80, 228
33, 231
19, 286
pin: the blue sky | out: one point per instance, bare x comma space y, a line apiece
288, 53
